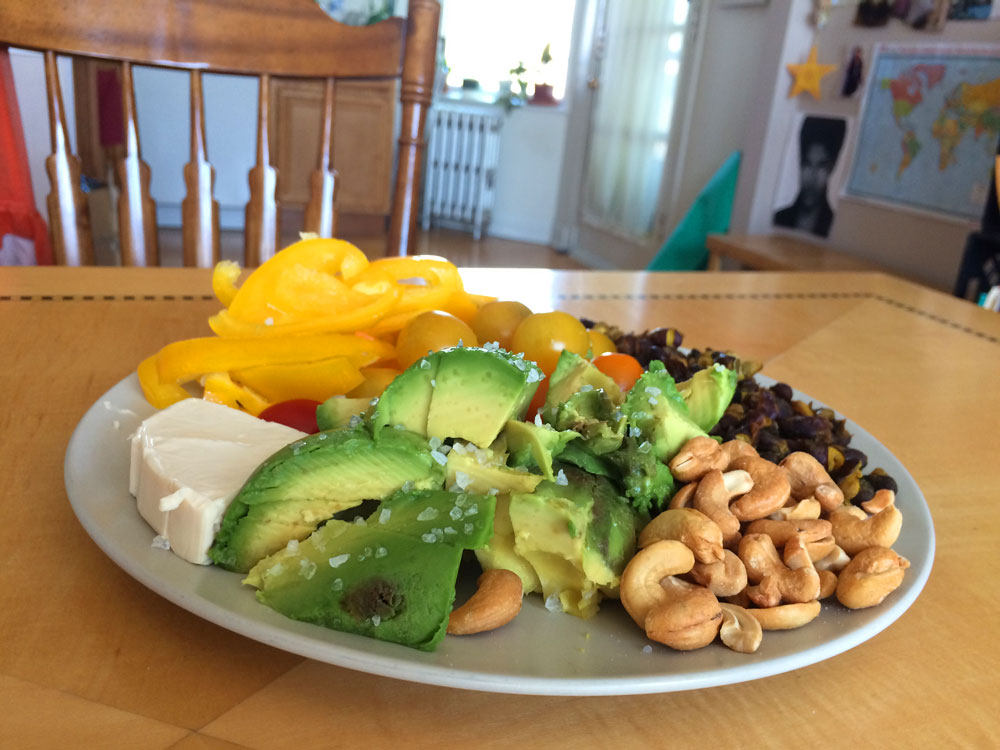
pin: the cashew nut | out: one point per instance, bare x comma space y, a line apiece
690, 617
496, 602
881, 500
836, 561
740, 630
803, 509
687, 525
697, 457
820, 548
712, 497
870, 577
809, 478
682, 498
776, 582
733, 449
854, 534
725, 578
781, 531
640, 588
787, 616
827, 583
770, 492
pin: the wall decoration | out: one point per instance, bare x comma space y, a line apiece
873, 13
929, 127
803, 196
971, 10
854, 71
807, 75
929, 15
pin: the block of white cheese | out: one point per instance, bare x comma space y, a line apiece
188, 463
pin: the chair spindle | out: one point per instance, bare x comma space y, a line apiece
321, 212
199, 209
261, 231
69, 221
136, 209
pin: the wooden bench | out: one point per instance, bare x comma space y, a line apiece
775, 252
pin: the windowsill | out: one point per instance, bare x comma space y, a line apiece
492, 99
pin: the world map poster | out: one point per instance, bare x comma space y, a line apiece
929, 127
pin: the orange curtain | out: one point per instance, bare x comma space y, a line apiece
18, 215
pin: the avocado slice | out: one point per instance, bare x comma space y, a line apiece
477, 391
366, 580
336, 412
708, 393
592, 414
458, 518
499, 552
306, 482
534, 446
576, 534
483, 470
407, 399
572, 373
657, 413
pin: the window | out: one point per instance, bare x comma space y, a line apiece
484, 39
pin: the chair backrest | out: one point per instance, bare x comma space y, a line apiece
265, 38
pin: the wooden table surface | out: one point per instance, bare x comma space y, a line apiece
91, 658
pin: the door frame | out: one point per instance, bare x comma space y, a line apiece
567, 234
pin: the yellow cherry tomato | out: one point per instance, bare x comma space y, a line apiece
544, 336
600, 344
497, 321
431, 331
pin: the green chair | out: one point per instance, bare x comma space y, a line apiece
685, 248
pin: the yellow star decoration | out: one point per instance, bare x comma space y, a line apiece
808, 75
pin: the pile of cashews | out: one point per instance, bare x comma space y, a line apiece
748, 545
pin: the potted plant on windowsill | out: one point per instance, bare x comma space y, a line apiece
543, 91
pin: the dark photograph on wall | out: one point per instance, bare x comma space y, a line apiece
819, 144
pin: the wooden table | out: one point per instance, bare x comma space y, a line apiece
778, 252
90, 658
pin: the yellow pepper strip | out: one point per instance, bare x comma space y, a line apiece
441, 280
224, 279
316, 380
376, 380
159, 394
187, 360
226, 325
222, 389
256, 300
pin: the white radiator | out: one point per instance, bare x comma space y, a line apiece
463, 150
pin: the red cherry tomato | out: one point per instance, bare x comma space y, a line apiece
299, 413
624, 369
537, 401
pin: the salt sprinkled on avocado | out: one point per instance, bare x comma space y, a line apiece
634, 432
561, 478
428, 537
535, 376
338, 560
353, 422
307, 568
383, 516
292, 547
462, 479
645, 447
652, 390
407, 485
435, 443
553, 604
381, 552
455, 513
468, 528
376, 620
425, 365
338, 584
586, 388
439, 457
427, 514
360, 521
160, 542
538, 419
445, 449
449, 530
276, 570
434, 382
471, 510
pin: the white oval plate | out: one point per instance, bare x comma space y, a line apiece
539, 653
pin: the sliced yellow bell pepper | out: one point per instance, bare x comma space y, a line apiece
222, 389
376, 380
224, 279
158, 393
315, 380
183, 361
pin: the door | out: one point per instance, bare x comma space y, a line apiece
620, 137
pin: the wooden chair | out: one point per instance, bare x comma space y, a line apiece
265, 38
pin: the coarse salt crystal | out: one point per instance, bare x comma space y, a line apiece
338, 584
449, 530
353, 422
269, 321
455, 513
383, 516
439, 457
652, 390
553, 603
472, 510
292, 547
360, 521
307, 568
338, 560
160, 542
376, 620
647, 649
538, 419
645, 447
468, 528
427, 514
428, 537
381, 552
561, 478
587, 388
462, 479
407, 485
425, 365
435, 443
